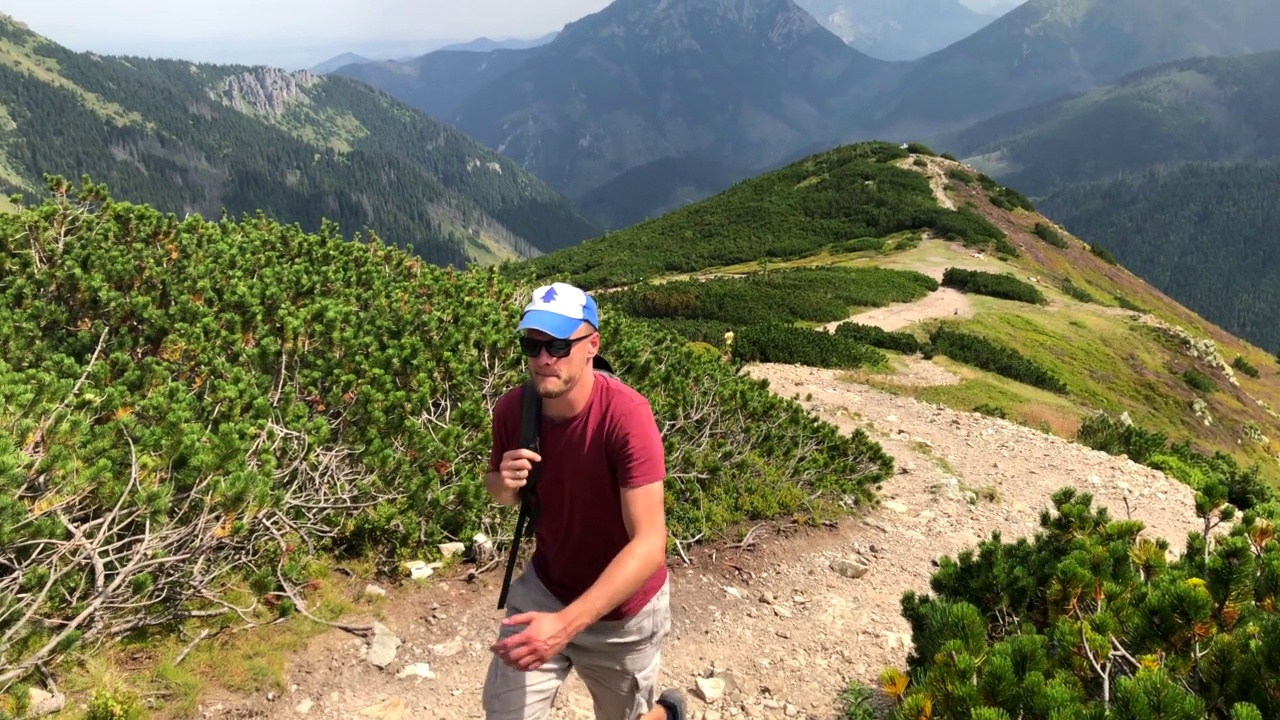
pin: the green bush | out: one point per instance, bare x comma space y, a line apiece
1003, 197
1128, 304
993, 357
1198, 380
1089, 620
255, 398
1244, 366
999, 285
1075, 291
1046, 233
902, 342
781, 343
810, 294
969, 227
1103, 253
961, 175
917, 148
1246, 489
991, 410
861, 244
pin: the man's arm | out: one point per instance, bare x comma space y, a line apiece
645, 516
500, 426
498, 490
641, 471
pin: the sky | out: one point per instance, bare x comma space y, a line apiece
292, 33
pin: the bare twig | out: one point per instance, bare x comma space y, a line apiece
190, 646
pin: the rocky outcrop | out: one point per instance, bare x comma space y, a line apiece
1202, 349
264, 90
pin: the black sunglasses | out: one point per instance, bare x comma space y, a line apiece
556, 347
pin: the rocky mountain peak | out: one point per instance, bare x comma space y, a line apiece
264, 90
686, 24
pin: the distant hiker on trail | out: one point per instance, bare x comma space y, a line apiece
596, 596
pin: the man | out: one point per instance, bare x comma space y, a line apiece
596, 596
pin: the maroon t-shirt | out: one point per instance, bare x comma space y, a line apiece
586, 460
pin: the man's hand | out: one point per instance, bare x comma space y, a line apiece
544, 638
512, 474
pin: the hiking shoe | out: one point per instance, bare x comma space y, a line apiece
673, 701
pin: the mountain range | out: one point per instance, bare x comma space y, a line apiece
1174, 168
647, 106
896, 29
1210, 109
200, 138
752, 84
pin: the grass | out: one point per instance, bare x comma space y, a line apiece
230, 659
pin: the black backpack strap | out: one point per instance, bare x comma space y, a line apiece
602, 366
530, 416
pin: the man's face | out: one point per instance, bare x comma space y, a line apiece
556, 376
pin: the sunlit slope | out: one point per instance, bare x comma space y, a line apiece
1099, 337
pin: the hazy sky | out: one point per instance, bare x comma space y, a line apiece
290, 32
83, 21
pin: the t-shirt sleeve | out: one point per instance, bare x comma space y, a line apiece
504, 429
637, 445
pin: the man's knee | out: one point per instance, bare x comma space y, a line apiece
511, 694
620, 662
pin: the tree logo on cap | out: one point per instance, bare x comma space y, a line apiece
549, 295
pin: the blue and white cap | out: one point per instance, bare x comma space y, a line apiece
558, 310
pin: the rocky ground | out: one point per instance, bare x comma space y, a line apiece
785, 623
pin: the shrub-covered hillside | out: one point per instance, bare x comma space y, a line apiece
832, 201
1089, 620
824, 262
195, 410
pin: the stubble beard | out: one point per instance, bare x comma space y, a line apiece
554, 387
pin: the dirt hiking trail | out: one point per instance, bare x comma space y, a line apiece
941, 303
758, 614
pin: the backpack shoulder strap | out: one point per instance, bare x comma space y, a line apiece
531, 412
602, 366
530, 419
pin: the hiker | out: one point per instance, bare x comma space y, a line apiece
595, 596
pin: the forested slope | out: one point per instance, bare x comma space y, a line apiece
202, 138
1205, 234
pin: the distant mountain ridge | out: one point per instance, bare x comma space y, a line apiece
436, 83
1174, 168
745, 82
646, 81
896, 29
1203, 233
1044, 49
1217, 109
201, 138
485, 44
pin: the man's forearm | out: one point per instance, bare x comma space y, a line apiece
638, 559
493, 482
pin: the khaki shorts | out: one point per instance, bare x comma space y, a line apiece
618, 660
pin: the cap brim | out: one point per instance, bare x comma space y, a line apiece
553, 324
